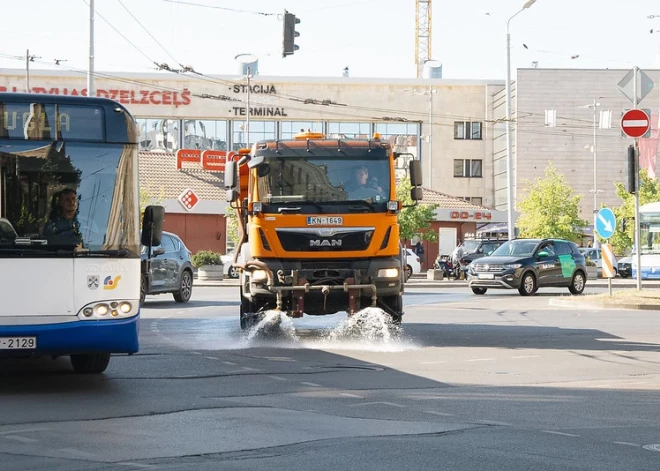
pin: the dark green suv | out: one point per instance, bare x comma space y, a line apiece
530, 264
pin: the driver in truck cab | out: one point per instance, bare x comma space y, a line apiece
360, 186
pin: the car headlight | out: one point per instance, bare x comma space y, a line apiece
388, 273
512, 265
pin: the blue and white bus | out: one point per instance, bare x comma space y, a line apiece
649, 224
69, 229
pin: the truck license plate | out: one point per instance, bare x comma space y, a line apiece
18, 343
324, 221
486, 276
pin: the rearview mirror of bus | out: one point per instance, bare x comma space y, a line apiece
415, 173
152, 225
230, 175
416, 194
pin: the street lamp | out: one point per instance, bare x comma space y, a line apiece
429, 135
594, 148
509, 163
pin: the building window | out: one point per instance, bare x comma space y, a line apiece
476, 200
464, 168
204, 134
288, 129
259, 131
467, 130
158, 134
349, 130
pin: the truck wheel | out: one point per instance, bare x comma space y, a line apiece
393, 306
577, 283
479, 290
527, 284
91, 363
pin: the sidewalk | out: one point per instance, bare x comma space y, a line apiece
420, 281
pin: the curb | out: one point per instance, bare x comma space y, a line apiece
602, 305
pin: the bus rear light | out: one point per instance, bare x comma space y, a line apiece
88, 311
125, 307
109, 310
101, 309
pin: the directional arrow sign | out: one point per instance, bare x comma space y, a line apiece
635, 123
605, 223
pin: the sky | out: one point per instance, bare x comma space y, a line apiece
374, 38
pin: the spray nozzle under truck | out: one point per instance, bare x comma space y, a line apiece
318, 226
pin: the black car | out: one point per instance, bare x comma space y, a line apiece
471, 250
169, 269
529, 264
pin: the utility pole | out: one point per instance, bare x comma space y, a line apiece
90, 66
430, 135
638, 239
28, 59
247, 121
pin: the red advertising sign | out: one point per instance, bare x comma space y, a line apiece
188, 199
467, 215
209, 160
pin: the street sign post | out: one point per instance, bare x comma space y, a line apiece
635, 85
605, 223
635, 123
607, 257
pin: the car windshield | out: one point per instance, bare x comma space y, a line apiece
470, 246
518, 248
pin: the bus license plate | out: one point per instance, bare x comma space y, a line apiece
18, 343
486, 276
324, 221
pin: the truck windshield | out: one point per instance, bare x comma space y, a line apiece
297, 180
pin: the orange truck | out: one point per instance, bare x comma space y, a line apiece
318, 226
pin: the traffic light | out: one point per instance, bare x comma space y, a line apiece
290, 34
631, 182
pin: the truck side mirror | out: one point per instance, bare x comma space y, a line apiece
415, 173
416, 194
152, 226
230, 175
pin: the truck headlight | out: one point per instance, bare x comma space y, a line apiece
388, 273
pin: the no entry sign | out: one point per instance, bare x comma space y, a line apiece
635, 123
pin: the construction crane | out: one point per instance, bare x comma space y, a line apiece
422, 34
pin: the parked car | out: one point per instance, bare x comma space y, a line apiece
530, 264
595, 255
413, 264
472, 250
227, 260
170, 269
624, 267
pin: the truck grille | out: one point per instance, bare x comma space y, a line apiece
325, 239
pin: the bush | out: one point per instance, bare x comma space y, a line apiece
206, 257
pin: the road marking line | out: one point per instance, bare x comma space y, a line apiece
627, 443
18, 438
229, 363
279, 359
212, 358
559, 433
481, 359
307, 383
444, 414
351, 395
277, 378
79, 453
427, 398
137, 465
25, 430
377, 403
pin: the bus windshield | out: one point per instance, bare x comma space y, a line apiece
294, 180
63, 190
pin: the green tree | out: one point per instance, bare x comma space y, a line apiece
232, 226
649, 192
549, 208
415, 220
148, 197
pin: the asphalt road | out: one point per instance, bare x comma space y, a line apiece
495, 382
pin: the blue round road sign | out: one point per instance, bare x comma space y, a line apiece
605, 223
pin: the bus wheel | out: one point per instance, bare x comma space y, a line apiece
90, 363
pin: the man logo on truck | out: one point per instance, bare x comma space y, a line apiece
325, 243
